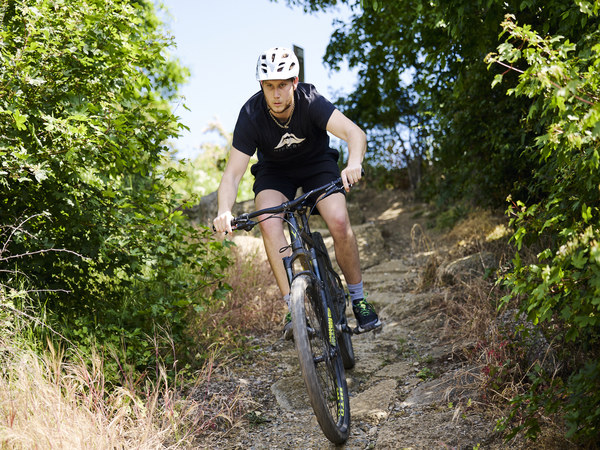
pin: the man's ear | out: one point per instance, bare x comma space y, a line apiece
296, 83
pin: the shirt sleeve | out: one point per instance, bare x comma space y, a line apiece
244, 137
321, 109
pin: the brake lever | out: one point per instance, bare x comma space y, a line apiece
244, 225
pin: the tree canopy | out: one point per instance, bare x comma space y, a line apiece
425, 93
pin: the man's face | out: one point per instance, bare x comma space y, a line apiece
279, 94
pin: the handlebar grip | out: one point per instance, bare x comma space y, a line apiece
215, 230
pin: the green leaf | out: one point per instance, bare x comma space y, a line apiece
586, 213
20, 120
580, 259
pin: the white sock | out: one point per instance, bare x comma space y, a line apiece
356, 291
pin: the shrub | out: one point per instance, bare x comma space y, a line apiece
561, 285
84, 100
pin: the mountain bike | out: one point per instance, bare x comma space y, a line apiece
318, 302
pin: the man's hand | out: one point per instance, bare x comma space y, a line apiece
222, 222
351, 175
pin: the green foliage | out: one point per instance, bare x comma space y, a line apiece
202, 174
524, 121
562, 284
425, 94
85, 88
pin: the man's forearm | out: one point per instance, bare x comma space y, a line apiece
357, 147
226, 195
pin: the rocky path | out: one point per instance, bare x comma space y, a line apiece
410, 387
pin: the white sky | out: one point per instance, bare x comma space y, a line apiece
220, 40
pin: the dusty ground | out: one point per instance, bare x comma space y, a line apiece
411, 387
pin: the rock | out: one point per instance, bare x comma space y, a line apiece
203, 212
206, 210
371, 245
467, 268
373, 404
290, 394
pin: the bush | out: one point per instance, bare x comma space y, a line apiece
88, 217
561, 285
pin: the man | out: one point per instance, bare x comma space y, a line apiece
287, 124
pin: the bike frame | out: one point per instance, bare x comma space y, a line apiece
299, 234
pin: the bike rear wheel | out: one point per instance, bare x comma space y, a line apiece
320, 360
335, 291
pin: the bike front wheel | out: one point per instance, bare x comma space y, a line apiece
320, 360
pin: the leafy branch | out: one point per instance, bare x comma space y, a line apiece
545, 60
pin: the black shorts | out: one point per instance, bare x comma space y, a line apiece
287, 181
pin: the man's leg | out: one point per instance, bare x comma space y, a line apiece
273, 237
335, 213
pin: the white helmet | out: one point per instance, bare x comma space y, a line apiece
277, 63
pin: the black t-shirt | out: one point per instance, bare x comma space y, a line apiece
305, 141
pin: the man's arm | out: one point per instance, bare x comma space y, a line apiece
228, 188
342, 127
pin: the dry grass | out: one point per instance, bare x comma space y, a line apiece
254, 305
50, 402
47, 403
497, 367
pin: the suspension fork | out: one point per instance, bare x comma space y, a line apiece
308, 259
298, 251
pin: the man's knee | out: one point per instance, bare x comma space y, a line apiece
271, 227
340, 228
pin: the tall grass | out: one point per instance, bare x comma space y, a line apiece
58, 399
47, 401
252, 307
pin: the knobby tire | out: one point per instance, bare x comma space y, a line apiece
321, 364
335, 291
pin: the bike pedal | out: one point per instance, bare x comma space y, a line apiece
376, 329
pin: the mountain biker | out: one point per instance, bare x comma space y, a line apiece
286, 123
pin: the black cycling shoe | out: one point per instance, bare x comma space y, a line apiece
365, 316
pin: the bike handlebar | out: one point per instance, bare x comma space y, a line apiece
244, 221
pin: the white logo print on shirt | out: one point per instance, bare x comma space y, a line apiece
288, 140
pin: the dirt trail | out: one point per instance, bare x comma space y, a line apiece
410, 387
